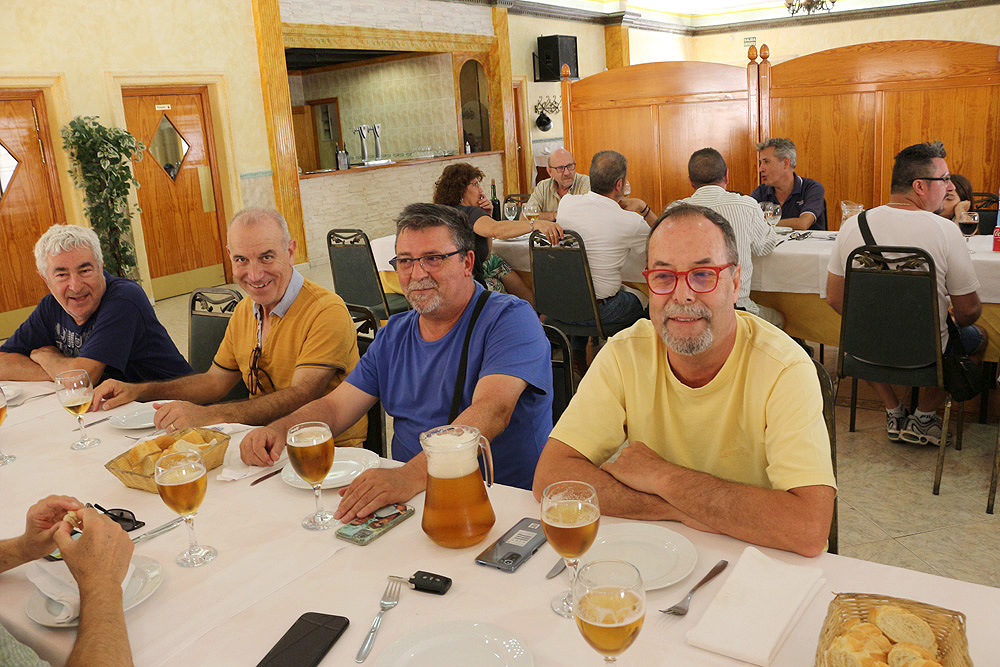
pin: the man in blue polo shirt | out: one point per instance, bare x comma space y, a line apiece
412, 367
90, 320
801, 199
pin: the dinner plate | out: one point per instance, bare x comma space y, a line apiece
662, 556
783, 230
141, 418
458, 643
348, 463
11, 392
146, 578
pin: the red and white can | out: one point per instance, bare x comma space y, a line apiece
996, 239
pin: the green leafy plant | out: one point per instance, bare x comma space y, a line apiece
100, 156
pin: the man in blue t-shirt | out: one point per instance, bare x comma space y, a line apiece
90, 320
412, 367
802, 200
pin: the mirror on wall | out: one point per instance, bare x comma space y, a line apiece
475, 106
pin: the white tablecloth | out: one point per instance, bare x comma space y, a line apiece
270, 570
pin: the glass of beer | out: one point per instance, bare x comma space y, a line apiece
311, 451
772, 212
181, 482
531, 212
4, 458
570, 517
75, 393
609, 606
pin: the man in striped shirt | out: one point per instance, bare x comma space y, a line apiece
709, 176
563, 180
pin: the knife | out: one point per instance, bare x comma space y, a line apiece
267, 476
556, 569
159, 530
98, 421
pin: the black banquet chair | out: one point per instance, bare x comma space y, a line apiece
355, 276
829, 393
209, 313
562, 370
367, 324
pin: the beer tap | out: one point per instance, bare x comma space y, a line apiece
377, 131
363, 132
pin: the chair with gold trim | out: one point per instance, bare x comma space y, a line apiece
355, 276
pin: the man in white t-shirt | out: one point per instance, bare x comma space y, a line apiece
920, 182
709, 177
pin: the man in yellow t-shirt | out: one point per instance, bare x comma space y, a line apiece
721, 411
290, 340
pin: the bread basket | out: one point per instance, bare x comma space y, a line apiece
948, 625
212, 455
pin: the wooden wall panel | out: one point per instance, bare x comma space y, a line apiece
652, 82
835, 140
683, 130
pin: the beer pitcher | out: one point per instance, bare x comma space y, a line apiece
457, 511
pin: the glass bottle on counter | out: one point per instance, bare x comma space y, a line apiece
336, 156
497, 212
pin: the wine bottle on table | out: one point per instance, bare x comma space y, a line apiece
497, 213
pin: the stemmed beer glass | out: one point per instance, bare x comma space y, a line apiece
570, 516
772, 212
75, 394
181, 482
4, 458
968, 223
510, 210
311, 452
609, 606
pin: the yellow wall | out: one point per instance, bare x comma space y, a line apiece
648, 46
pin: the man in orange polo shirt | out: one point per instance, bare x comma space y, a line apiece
290, 340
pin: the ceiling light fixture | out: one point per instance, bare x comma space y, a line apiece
810, 6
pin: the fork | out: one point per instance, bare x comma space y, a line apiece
681, 608
390, 598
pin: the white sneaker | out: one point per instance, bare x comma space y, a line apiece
921, 431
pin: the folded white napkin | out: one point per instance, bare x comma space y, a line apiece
233, 467
756, 608
55, 582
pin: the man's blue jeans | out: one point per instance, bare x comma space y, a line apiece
622, 308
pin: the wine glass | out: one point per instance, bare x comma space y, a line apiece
181, 482
610, 606
968, 223
510, 210
531, 212
570, 517
627, 190
75, 394
772, 212
311, 452
4, 458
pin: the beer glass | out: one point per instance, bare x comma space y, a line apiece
772, 212
181, 482
510, 210
311, 451
609, 606
75, 394
531, 212
570, 517
968, 224
4, 458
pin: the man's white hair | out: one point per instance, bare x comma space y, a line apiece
256, 216
61, 238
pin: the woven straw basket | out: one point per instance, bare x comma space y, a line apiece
212, 455
948, 625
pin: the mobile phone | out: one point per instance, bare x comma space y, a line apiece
362, 531
306, 642
516, 546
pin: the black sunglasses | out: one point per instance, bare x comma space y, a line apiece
124, 518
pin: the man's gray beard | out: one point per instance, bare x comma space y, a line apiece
423, 303
692, 345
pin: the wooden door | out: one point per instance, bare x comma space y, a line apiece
525, 159
30, 201
305, 139
182, 219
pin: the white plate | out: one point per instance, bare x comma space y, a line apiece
348, 463
466, 644
662, 556
141, 418
783, 230
146, 578
11, 392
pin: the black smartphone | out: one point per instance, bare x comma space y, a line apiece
516, 546
306, 642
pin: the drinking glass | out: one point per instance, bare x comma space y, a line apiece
75, 394
510, 210
311, 452
531, 212
627, 190
4, 458
772, 212
570, 517
968, 222
181, 482
610, 606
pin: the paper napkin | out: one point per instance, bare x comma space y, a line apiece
55, 582
233, 467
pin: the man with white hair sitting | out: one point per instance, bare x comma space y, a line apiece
90, 320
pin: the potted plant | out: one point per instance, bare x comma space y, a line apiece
100, 156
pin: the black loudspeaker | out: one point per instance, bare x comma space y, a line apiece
554, 51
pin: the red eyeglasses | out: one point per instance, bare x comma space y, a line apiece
701, 279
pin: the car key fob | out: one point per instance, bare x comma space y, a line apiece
430, 583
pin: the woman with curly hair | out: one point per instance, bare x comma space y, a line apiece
460, 186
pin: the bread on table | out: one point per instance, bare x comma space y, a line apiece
848, 650
906, 654
901, 626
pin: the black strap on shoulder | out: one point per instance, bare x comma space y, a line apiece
866, 231
463, 364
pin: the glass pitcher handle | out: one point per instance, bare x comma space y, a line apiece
484, 447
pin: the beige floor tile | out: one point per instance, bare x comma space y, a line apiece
888, 552
861, 455
970, 552
855, 528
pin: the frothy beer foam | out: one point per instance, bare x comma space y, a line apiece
449, 455
309, 436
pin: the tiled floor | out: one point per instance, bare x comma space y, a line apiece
887, 511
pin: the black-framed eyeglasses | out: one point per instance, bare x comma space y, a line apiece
565, 167
124, 518
701, 279
932, 178
427, 262
257, 375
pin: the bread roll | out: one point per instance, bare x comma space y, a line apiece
906, 654
900, 626
141, 451
848, 651
876, 643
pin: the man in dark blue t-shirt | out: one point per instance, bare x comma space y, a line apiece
413, 364
90, 320
802, 200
